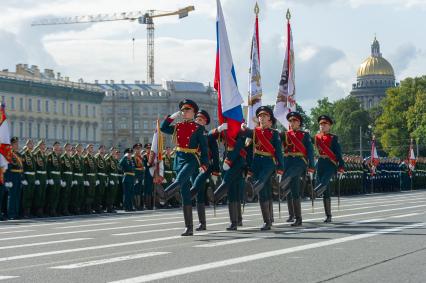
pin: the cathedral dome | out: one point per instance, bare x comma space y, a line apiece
375, 64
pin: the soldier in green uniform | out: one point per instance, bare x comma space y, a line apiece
119, 195
148, 179
54, 179
66, 180
28, 179
128, 168
139, 176
13, 180
77, 189
90, 178
113, 179
299, 158
39, 154
102, 179
329, 162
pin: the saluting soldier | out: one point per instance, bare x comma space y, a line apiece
13, 178
67, 180
198, 187
40, 158
148, 179
54, 178
329, 162
268, 158
113, 182
90, 177
28, 179
102, 179
139, 175
298, 159
190, 139
77, 191
128, 168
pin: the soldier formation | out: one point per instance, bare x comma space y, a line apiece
260, 163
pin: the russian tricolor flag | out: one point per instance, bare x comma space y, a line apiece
225, 81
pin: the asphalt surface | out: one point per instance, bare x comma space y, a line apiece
373, 238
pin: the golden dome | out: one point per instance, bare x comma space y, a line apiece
375, 66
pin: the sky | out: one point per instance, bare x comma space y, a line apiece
331, 39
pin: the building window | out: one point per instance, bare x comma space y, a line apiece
109, 125
63, 132
370, 103
94, 133
87, 110
47, 106
55, 107
71, 109
71, 133
79, 133
38, 130
63, 108
79, 110
30, 105
87, 133
12, 103
38, 105
30, 130
47, 131
21, 130
145, 124
12, 128
123, 123
94, 111
21, 104
145, 140
55, 132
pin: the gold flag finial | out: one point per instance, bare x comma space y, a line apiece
288, 15
256, 9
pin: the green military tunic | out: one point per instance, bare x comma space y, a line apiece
54, 182
77, 191
13, 179
67, 178
90, 177
28, 181
102, 182
41, 181
113, 182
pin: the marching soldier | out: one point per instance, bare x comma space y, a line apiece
102, 179
139, 175
67, 180
148, 179
128, 168
54, 179
28, 179
329, 162
90, 178
190, 139
298, 158
267, 159
198, 187
13, 179
40, 158
113, 176
77, 190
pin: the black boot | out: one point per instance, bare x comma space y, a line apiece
233, 216
201, 210
187, 214
290, 210
285, 186
297, 212
266, 214
271, 210
240, 214
220, 192
327, 209
148, 202
171, 191
320, 189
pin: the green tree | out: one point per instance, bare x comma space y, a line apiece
324, 107
416, 115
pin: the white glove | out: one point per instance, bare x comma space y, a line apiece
202, 170
112, 183
24, 182
226, 167
75, 182
214, 179
86, 183
243, 126
63, 184
222, 127
311, 175
50, 182
137, 182
176, 115
279, 177
37, 182
8, 185
97, 182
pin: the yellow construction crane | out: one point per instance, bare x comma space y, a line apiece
145, 18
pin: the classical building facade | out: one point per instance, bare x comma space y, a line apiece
375, 75
130, 110
42, 105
